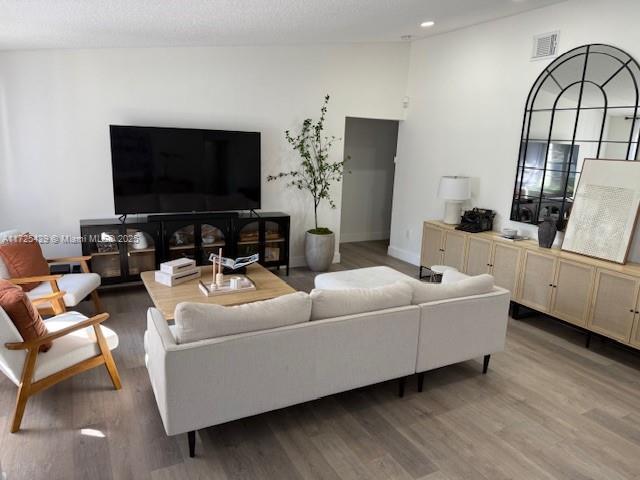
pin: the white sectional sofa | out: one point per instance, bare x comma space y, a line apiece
200, 382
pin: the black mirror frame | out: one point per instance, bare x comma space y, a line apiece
625, 61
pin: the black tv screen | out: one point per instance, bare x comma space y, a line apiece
173, 170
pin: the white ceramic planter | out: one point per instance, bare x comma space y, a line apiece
318, 251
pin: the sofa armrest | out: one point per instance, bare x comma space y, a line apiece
460, 329
217, 380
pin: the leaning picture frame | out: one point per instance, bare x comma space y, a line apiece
605, 210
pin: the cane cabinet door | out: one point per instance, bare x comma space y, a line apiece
635, 334
454, 249
572, 290
505, 266
432, 239
614, 304
478, 256
536, 286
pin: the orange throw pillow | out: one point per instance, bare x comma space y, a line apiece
24, 258
22, 313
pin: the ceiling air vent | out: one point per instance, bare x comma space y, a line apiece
545, 45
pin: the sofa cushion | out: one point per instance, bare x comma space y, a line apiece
369, 277
22, 313
432, 292
23, 258
327, 303
198, 321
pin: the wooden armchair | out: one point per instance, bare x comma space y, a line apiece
75, 285
79, 344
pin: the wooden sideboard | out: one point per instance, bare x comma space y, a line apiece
596, 295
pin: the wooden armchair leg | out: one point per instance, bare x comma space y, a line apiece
18, 412
97, 303
109, 363
24, 389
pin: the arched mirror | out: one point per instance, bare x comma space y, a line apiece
583, 105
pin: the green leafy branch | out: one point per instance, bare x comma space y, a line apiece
316, 172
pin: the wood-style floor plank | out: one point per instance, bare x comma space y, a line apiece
547, 409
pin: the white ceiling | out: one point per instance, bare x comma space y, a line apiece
28, 24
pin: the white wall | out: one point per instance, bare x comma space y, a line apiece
367, 191
467, 94
56, 105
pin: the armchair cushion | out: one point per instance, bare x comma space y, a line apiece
72, 348
22, 313
75, 285
23, 258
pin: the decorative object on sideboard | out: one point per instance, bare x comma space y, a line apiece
107, 243
140, 241
605, 210
547, 232
509, 232
315, 175
454, 190
583, 105
477, 220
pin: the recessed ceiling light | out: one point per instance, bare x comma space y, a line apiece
427, 24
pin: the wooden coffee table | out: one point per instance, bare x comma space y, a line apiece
166, 298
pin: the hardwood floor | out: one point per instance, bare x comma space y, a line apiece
547, 409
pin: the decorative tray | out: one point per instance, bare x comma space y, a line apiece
245, 285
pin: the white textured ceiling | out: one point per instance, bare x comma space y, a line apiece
28, 24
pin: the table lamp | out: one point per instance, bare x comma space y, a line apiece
454, 190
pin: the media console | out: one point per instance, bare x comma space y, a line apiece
121, 250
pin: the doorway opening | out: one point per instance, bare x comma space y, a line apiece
367, 192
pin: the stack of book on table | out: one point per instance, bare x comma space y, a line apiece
177, 271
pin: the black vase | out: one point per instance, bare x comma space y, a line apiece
547, 232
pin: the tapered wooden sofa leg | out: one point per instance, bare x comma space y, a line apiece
420, 381
485, 364
192, 443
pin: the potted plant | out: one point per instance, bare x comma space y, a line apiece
315, 175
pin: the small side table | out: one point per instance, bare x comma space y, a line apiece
434, 272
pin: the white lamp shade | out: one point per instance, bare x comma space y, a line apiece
455, 188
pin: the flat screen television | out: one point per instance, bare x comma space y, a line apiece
174, 170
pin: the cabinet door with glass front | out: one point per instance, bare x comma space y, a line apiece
141, 249
275, 242
103, 244
248, 240
213, 239
180, 240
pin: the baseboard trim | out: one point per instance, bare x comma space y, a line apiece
299, 261
404, 255
363, 236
